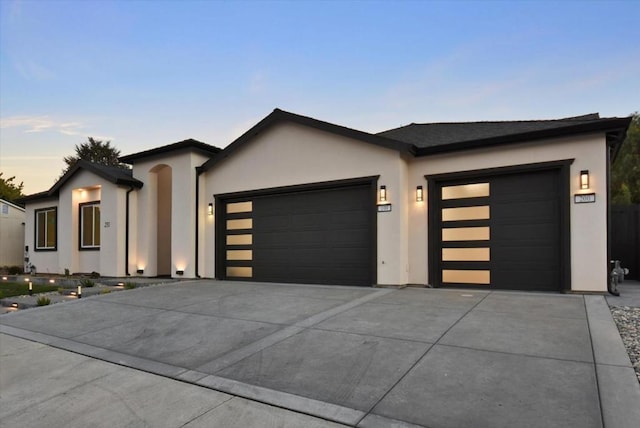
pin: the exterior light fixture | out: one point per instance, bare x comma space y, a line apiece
26, 280
140, 271
4, 278
584, 179
383, 193
210, 209
79, 294
179, 272
30, 288
419, 194
14, 305
52, 281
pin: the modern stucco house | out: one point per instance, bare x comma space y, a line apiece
506, 205
12, 223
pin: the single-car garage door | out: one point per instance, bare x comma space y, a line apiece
310, 235
500, 232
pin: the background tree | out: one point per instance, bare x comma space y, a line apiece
625, 172
96, 151
9, 191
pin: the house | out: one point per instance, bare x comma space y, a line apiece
499, 205
12, 222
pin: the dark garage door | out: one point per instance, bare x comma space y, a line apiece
500, 232
321, 236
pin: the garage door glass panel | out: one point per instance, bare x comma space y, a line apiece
465, 213
482, 277
245, 239
243, 223
239, 255
466, 254
475, 190
239, 272
466, 234
239, 207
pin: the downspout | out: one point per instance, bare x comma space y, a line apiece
197, 240
609, 150
126, 235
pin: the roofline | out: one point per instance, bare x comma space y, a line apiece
83, 164
36, 197
4, 201
189, 144
613, 126
284, 116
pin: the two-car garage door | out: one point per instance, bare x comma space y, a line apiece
312, 235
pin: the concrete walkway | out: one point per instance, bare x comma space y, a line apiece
354, 356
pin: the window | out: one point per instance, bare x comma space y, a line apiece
90, 226
46, 229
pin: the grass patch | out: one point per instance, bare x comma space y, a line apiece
10, 289
130, 285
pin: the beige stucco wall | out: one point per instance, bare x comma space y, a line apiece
588, 221
12, 228
289, 154
143, 251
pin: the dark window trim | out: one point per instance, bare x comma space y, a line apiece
35, 229
222, 199
564, 170
80, 246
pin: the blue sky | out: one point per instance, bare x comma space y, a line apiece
149, 73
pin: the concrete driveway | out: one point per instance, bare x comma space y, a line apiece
355, 356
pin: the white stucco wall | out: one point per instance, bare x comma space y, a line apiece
143, 253
83, 187
289, 154
588, 221
12, 229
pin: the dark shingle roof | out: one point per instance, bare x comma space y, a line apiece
189, 144
431, 138
113, 174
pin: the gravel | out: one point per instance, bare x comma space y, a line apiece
628, 321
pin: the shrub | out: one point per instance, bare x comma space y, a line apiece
60, 290
87, 283
105, 291
94, 275
43, 301
66, 272
129, 285
14, 270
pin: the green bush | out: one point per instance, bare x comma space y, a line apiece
130, 285
105, 291
14, 270
87, 283
43, 301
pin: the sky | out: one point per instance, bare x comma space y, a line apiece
142, 74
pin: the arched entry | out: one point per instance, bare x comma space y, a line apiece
161, 202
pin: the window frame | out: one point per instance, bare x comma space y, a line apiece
36, 213
81, 246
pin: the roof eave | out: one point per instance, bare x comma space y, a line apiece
610, 126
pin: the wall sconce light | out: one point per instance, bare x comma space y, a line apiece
383, 193
584, 179
419, 194
140, 271
210, 209
179, 272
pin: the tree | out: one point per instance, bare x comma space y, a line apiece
625, 173
96, 151
9, 191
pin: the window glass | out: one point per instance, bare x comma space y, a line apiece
466, 276
465, 213
466, 234
90, 226
46, 227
